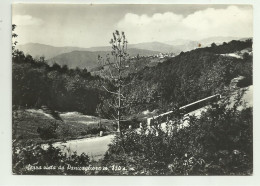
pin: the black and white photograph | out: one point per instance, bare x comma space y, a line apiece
132, 89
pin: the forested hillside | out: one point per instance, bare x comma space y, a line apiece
37, 84
177, 81
189, 76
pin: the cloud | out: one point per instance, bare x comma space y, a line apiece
25, 20
231, 21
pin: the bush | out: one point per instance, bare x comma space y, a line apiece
219, 143
34, 160
83, 133
96, 130
48, 131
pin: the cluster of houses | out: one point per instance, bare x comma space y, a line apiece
160, 55
165, 55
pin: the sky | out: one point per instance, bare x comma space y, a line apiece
86, 25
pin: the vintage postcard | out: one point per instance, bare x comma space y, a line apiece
132, 89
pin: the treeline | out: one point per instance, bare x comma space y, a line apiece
230, 47
36, 84
188, 77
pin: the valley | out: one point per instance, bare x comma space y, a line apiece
63, 105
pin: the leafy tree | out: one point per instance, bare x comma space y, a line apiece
213, 45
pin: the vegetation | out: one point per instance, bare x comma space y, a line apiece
35, 160
36, 84
187, 77
38, 127
218, 143
116, 67
179, 80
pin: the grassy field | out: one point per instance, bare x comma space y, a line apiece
74, 125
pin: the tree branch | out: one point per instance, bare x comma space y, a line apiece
110, 91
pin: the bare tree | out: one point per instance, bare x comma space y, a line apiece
113, 66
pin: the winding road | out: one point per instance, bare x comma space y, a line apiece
95, 147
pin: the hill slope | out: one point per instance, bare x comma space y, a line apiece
157, 46
176, 46
48, 51
188, 77
186, 45
89, 59
150, 46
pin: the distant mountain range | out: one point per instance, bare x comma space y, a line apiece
75, 56
87, 57
48, 51
152, 46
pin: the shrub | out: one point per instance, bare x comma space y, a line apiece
36, 160
83, 133
218, 143
48, 131
96, 130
